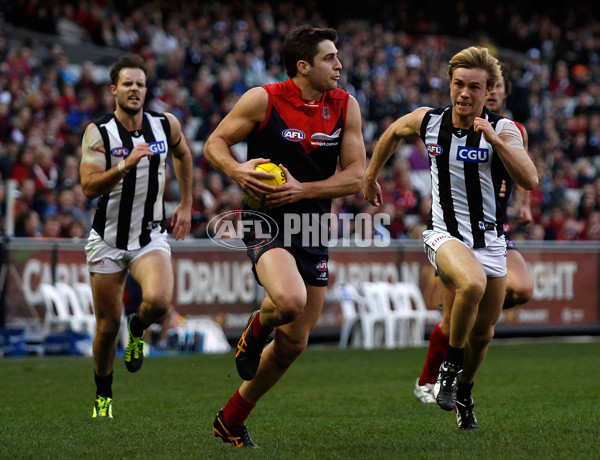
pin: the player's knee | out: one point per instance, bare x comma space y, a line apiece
444, 325
298, 348
107, 328
480, 338
519, 285
289, 305
522, 294
295, 349
473, 289
288, 350
159, 302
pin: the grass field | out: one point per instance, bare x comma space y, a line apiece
535, 400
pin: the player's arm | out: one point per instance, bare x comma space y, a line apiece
345, 182
182, 164
353, 159
509, 145
96, 180
524, 214
248, 112
407, 126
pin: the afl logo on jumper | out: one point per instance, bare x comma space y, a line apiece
434, 149
294, 135
473, 154
119, 152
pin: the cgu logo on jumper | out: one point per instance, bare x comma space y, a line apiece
294, 135
157, 147
119, 152
473, 154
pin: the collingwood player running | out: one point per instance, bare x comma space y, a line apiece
471, 152
124, 164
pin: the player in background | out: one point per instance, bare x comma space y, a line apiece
471, 151
519, 285
308, 127
124, 164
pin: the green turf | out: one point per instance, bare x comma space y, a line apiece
537, 400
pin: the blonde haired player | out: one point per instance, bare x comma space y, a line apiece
519, 285
471, 151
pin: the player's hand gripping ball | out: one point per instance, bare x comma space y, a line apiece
280, 179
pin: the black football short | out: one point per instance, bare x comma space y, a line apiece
312, 267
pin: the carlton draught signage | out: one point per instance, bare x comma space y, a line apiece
218, 282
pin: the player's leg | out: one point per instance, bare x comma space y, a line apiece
458, 266
153, 271
448, 295
519, 285
107, 291
477, 345
286, 297
438, 346
286, 291
483, 329
290, 340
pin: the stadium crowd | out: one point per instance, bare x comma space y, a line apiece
202, 56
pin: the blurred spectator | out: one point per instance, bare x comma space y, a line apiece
69, 172
26, 197
554, 223
592, 227
588, 203
23, 167
77, 229
27, 224
572, 230
201, 58
67, 27
46, 202
418, 158
51, 227
560, 83
44, 169
396, 228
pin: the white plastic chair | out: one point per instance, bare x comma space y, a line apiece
83, 320
408, 298
57, 317
411, 329
373, 311
348, 300
396, 316
86, 299
431, 316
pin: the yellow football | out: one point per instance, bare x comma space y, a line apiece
271, 168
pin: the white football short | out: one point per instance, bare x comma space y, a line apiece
104, 258
492, 258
